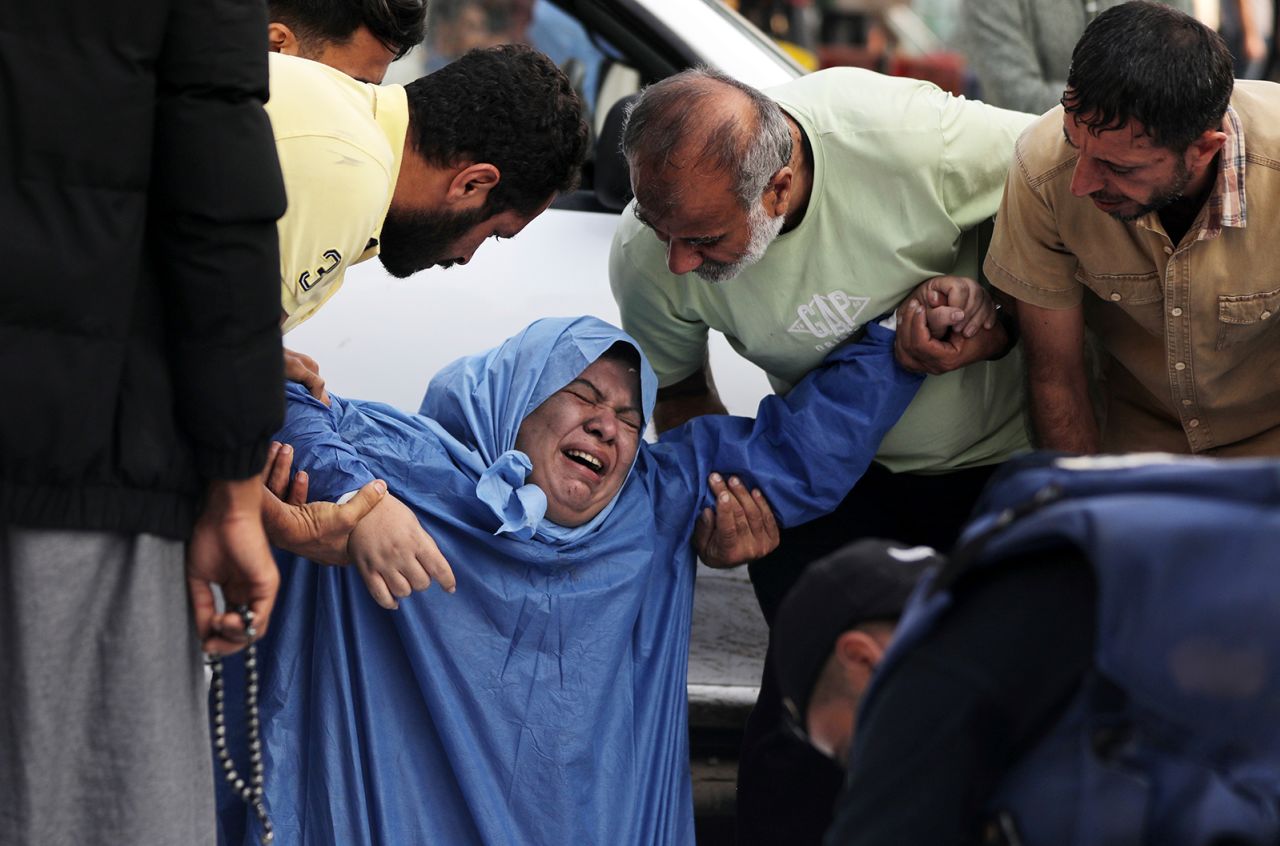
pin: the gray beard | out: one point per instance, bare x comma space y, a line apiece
764, 230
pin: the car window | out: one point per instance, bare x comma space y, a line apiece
599, 71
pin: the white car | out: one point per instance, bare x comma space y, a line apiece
382, 338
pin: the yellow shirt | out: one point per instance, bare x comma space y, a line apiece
1191, 330
340, 142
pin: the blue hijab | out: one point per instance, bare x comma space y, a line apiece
480, 401
544, 702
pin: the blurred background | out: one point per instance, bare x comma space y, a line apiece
917, 38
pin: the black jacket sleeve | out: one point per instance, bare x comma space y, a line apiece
216, 193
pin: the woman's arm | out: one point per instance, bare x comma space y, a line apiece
394, 554
333, 466
805, 450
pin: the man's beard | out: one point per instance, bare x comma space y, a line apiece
763, 228
415, 240
1161, 197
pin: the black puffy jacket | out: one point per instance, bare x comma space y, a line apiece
139, 296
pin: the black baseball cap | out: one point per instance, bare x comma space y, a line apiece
866, 581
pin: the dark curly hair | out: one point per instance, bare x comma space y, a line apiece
509, 106
1149, 63
399, 25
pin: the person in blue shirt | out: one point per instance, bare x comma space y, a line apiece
544, 701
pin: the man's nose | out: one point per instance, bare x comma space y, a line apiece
681, 258
1086, 178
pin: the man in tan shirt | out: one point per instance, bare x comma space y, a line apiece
1142, 209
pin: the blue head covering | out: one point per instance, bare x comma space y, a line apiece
479, 402
544, 702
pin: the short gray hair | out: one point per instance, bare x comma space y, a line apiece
669, 112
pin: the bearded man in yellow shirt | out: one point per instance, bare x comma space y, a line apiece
418, 175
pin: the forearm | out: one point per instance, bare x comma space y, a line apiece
1248, 23
1061, 412
675, 411
1057, 384
233, 499
692, 397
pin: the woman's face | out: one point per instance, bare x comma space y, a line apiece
583, 439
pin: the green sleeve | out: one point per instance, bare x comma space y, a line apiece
977, 149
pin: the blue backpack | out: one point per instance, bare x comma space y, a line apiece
1174, 737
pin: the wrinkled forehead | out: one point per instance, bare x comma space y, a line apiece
684, 194
617, 373
1130, 136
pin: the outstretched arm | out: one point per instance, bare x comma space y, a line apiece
806, 450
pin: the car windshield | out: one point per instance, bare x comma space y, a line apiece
609, 50
726, 40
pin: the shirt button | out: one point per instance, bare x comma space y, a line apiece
1168, 251
1266, 315
1177, 312
1180, 366
1115, 296
1193, 422
1186, 402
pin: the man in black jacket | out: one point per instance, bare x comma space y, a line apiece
140, 367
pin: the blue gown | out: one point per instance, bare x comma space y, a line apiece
545, 701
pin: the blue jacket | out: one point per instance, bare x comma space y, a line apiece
544, 702
1174, 739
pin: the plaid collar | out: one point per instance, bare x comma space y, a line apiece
1226, 202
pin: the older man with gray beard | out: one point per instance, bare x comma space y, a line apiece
804, 213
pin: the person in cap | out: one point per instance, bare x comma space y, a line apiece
945, 730
1095, 664
836, 631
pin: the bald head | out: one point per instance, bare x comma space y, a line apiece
701, 125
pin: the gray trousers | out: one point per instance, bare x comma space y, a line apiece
103, 727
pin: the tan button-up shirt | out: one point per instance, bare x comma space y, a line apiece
1191, 330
